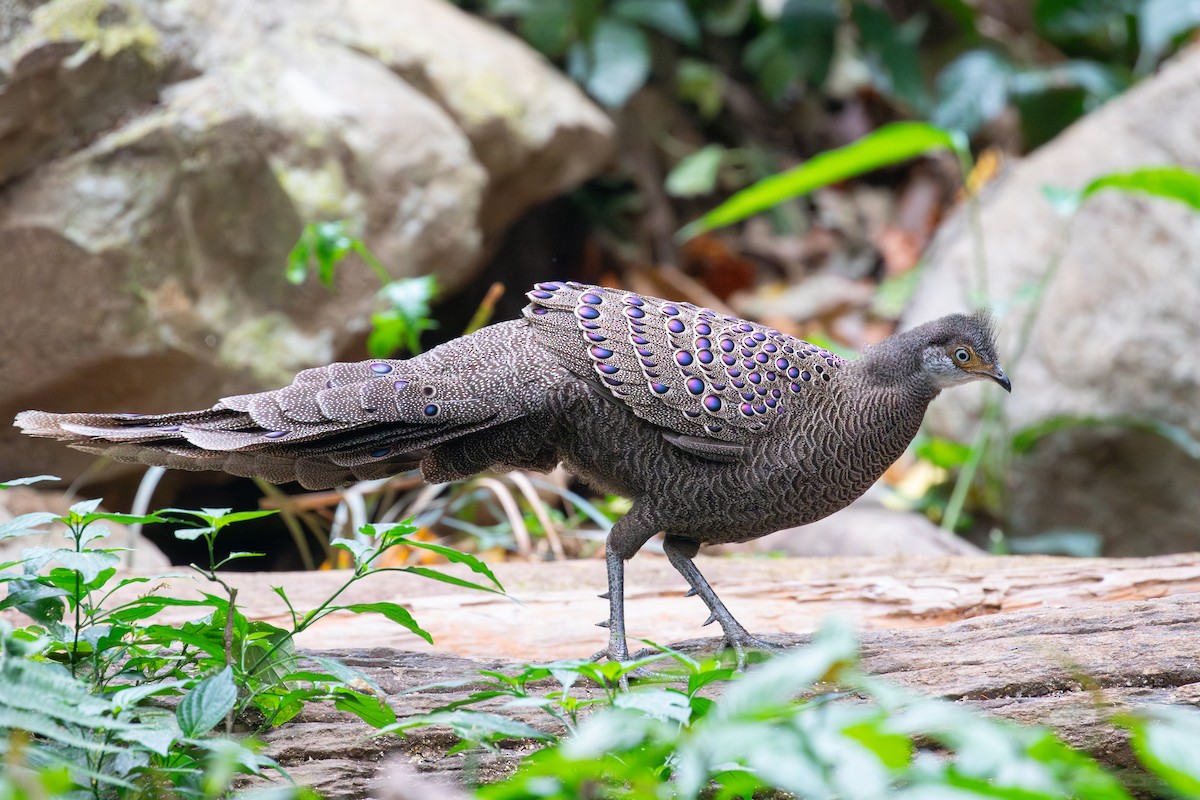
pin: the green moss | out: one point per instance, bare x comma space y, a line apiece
102, 26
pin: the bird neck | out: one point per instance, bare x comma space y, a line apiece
894, 365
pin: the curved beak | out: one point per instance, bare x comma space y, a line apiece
997, 374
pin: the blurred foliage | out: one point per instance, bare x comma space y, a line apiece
942, 60
809, 723
403, 306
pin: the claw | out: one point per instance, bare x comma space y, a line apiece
605, 596
690, 593
603, 623
711, 619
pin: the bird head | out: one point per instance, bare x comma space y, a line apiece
960, 348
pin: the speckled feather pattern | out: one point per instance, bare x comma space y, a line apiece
717, 428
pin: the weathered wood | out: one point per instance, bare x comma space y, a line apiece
1053, 641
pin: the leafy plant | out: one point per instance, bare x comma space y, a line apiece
809, 723
86, 689
403, 313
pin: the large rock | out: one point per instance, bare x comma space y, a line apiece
158, 160
1115, 333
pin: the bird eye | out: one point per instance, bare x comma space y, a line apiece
962, 355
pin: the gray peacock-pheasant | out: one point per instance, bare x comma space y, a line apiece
718, 429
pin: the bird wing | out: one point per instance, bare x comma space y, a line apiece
708, 378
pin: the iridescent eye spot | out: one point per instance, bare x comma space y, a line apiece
587, 312
829, 361
703, 343
400, 385
541, 312
381, 369
591, 326
690, 413
659, 388
747, 352
755, 378
745, 327
675, 326
645, 352
550, 286
733, 373
770, 348
695, 385
608, 369
595, 337
771, 402
776, 393
718, 387
748, 395
762, 391
633, 312
749, 342
770, 376
431, 410
759, 336
639, 340
806, 376
541, 295
727, 345
739, 384
747, 409
670, 311
819, 369
748, 364
634, 301
704, 329
171, 428
712, 403
795, 387
600, 352
683, 358
646, 362
274, 434
328, 384
781, 363
825, 376
762, 358
380, 453
612, 381
705, 356
591, 299
760, 409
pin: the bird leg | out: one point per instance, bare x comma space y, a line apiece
680, 552
617, 650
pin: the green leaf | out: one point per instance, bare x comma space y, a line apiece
457, 557
672, 18
472, 726
404, 317
370, 708
356, 547
433, 574
700, 84
972, 89
1081, 19
667, 705
26, 481
1160, 23
1166, 740
1027, 438
618, 62
203, 707
1170, 183
891, 144
696, 173
26, 524
395, 613
892, 53
85, 507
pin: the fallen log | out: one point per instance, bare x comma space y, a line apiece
1059, 642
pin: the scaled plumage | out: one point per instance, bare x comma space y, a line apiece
718, 429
